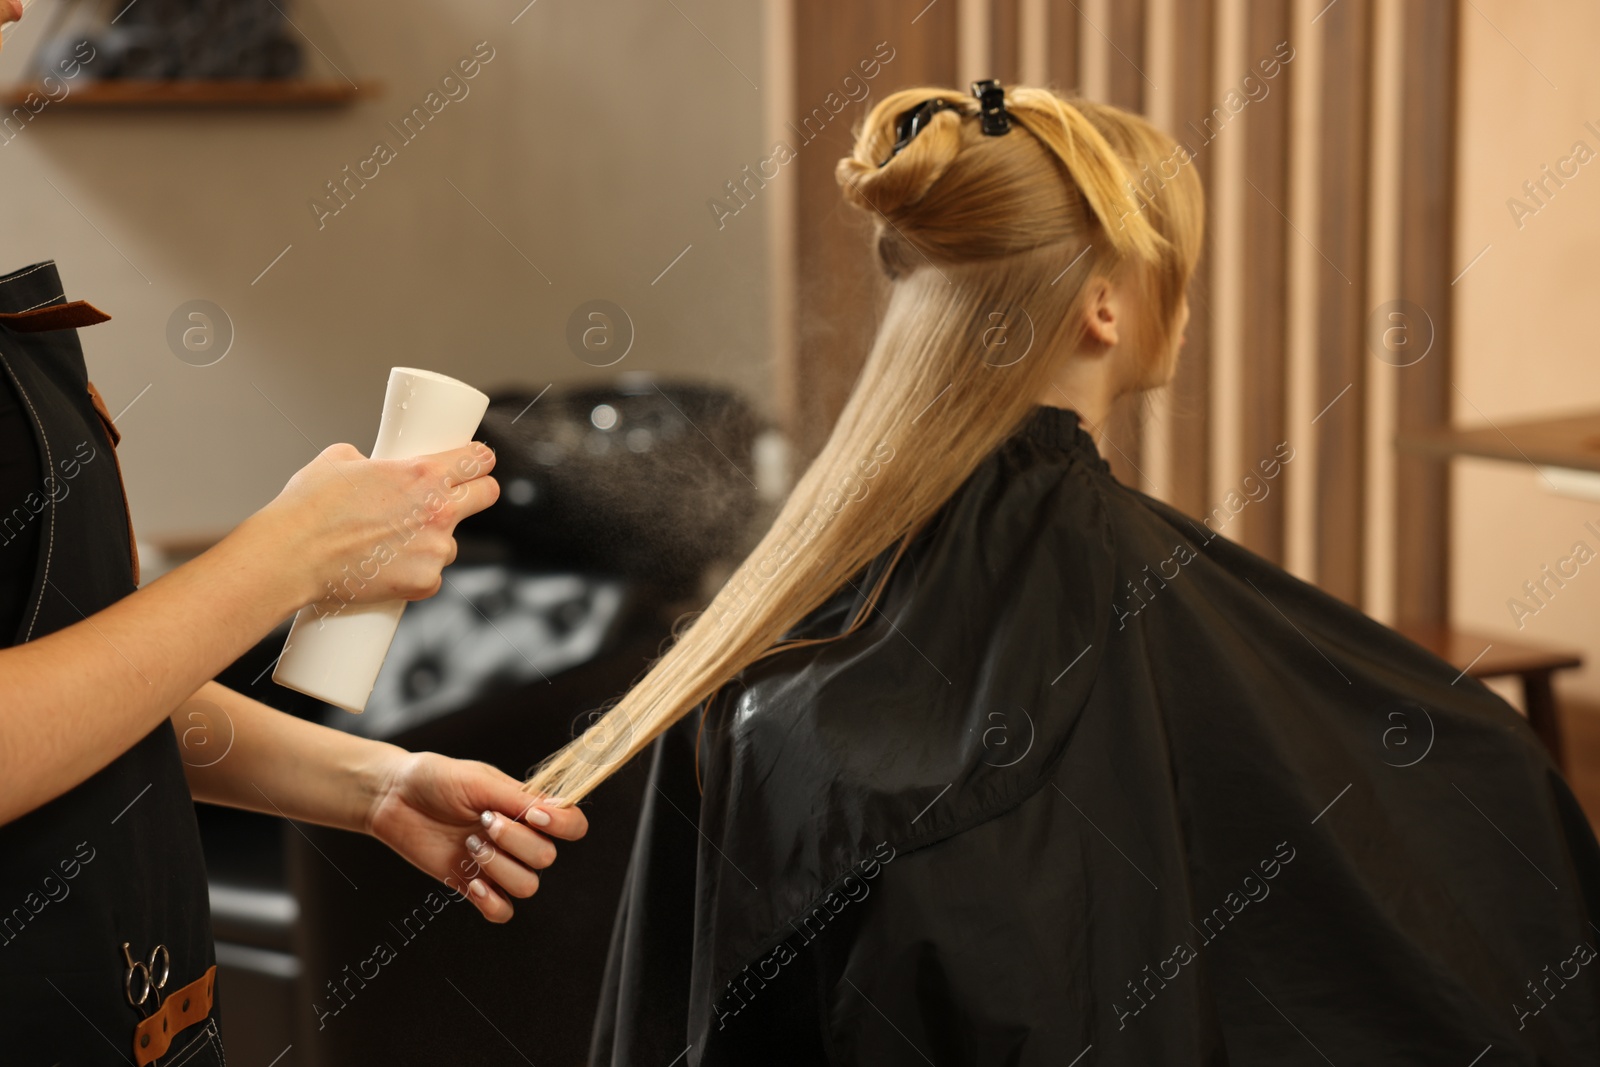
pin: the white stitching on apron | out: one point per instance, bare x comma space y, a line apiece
30, 270
42, 303
207, 1038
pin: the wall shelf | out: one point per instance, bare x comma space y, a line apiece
200, 94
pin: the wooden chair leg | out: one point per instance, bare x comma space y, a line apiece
1540, 697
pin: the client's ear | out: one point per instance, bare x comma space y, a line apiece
1102, 312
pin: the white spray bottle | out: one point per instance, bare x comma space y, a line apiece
335, 653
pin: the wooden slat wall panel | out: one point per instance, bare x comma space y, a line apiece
1265, 334
1341, 350
1383, 283
1063, 26
1005, 45
840, 287
1129, 80
1189, 406
1427, 255
1127, 84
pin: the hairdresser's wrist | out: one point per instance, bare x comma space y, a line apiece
374, 769
339, 779
272, 565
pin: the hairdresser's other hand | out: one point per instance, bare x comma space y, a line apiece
365, 530
470, 826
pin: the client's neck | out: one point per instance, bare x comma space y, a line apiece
1086, 385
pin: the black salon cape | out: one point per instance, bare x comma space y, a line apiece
1097, 787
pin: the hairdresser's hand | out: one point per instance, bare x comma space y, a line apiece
468, 825
364, 530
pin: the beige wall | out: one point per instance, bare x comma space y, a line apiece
1526, 312
592, 139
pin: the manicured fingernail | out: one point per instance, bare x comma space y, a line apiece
539, 817
487, 818
478, 889
474, 843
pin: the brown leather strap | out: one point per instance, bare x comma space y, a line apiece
181, 1009
100, 408
73, 316
116, 438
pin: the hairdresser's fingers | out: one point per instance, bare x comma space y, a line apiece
493, 906
516, 840
503, 868
504, 794
472, 497
458, 465
551, 819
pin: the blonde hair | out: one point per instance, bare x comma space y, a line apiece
975, 231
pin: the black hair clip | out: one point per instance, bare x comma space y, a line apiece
992, 114
992, 107
913, 121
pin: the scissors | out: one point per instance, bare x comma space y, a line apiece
146, 976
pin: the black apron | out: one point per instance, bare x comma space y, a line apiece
117, 859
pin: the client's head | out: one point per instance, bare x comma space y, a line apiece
1167, 190
1023, 265
1076, 231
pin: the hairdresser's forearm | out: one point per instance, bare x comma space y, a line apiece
73, 701
279, 764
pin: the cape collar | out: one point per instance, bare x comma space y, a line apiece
1062, 429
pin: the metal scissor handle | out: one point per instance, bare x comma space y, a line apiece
150, 975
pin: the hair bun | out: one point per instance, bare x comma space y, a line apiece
907, 177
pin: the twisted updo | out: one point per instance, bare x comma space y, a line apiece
956, 195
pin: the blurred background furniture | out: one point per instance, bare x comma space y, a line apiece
182, 53
1490, 656
1570, 441
1565, 451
